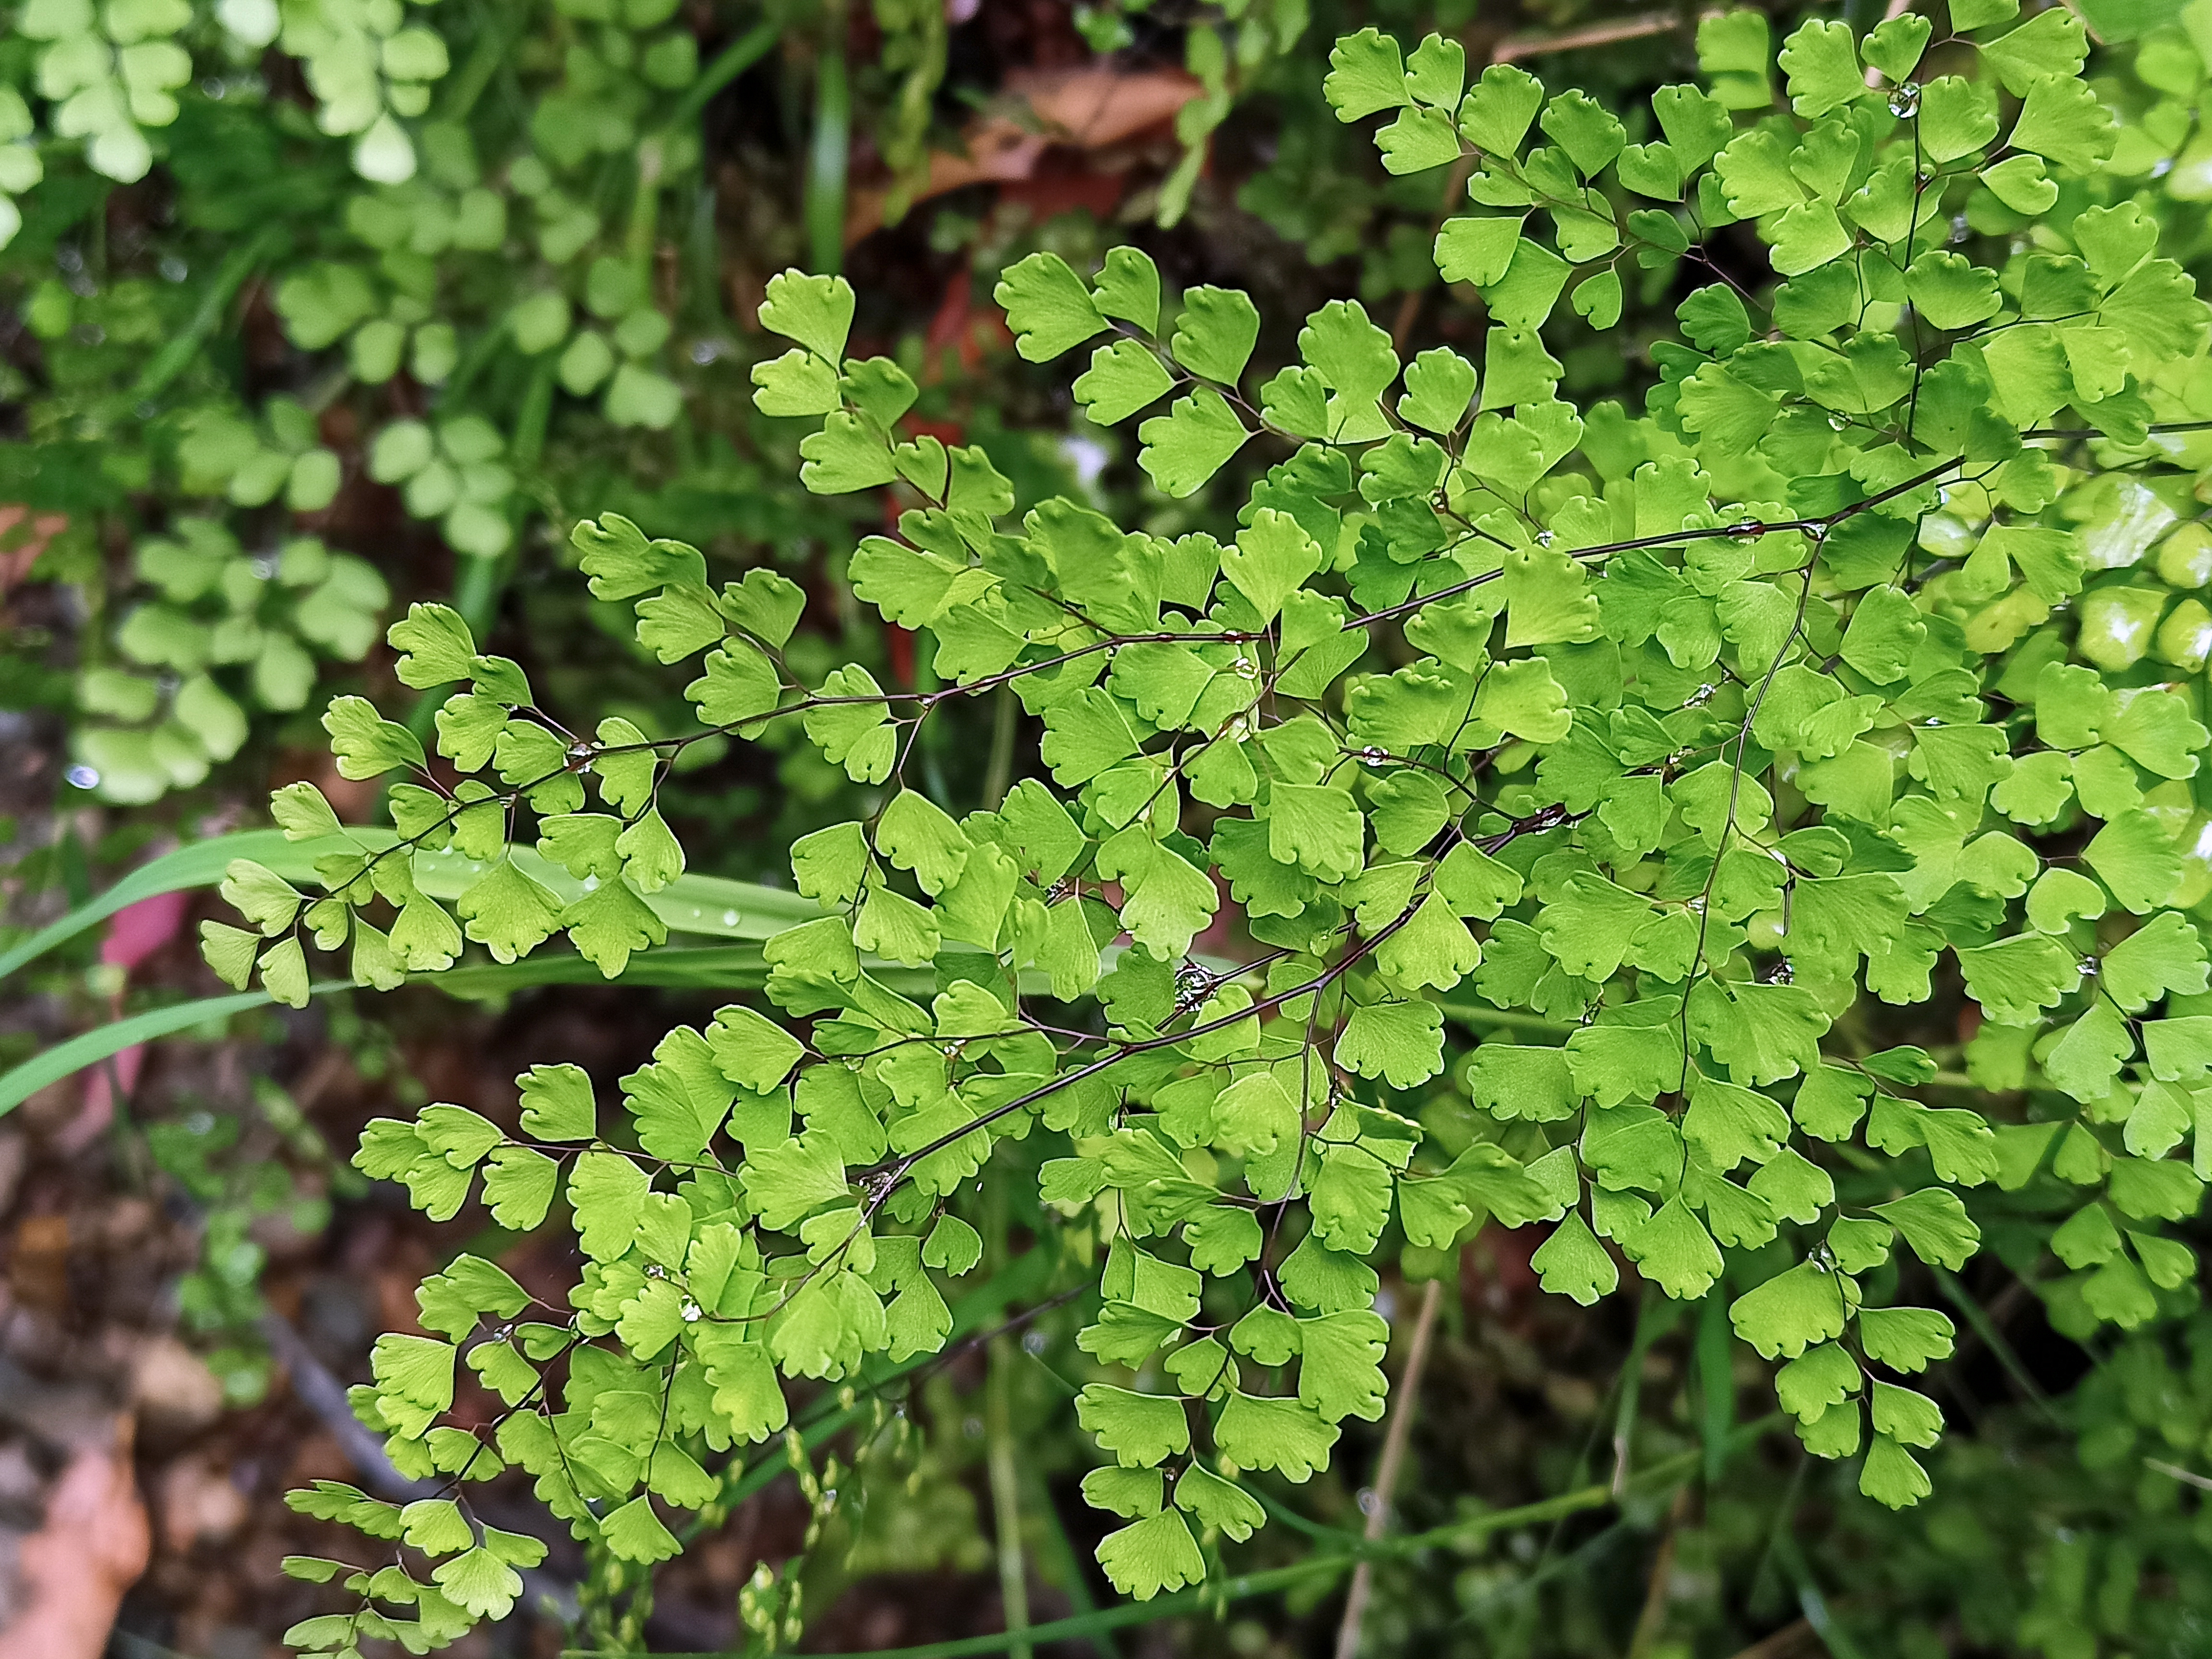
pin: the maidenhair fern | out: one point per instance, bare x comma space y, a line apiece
1659, 751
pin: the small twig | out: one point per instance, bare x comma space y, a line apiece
1386, 1470
2203, 1483
1986, 1328
313, 1387
1654, 1616
1654, 1319
1401, 328
1595, 34
961, 1349
1790, 1638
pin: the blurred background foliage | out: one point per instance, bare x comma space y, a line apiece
310, 309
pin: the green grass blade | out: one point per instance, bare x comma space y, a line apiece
716, 968
200, 865
729, 967
1716, 1380
712, 906
733, 60
711, 968
113, 1038
724, 967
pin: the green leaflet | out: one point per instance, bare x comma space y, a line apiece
1123, 378
1047, 306
1191, 442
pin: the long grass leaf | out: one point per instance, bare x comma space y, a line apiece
113, 1038
711, 905
199, 864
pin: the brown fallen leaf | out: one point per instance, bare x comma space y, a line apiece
198, 1504
173, 1387
1091, 108
37, 1261
19, 553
